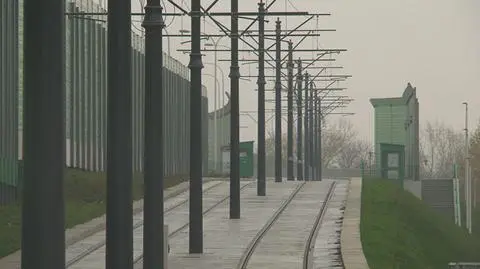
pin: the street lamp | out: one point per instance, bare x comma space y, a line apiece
168, 40
468, 183
216, 107
222, 80
215, 45
217, 82
214, 138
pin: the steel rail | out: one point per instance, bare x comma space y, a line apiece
137, 225
256, 240
310, 244
175, 232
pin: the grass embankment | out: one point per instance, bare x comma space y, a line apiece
399, 231
85, 196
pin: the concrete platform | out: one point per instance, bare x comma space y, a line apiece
175, 218
225, 240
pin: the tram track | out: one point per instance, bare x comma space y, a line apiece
205, 212
310, 243
248, 253
139, 224
306, 254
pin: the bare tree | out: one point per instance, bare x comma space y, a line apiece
441, 147
352, 154
335, 137
270, 143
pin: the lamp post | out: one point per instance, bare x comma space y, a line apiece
215, 44
216, 107
222, 100
217, 83
168, 40
468, 186
215, 130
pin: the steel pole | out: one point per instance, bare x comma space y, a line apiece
196, 65
168, 37
235, 117
307, 130
315, 136
278, 104
467, 175
153, 237
261, 186
119, 138
310, 135
299, 121
320, 154
290, 175
43, 217
215, 107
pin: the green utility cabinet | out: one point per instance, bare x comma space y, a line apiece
392, 161
246, 159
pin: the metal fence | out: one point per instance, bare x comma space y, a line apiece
8, 98
86, 97
86, 92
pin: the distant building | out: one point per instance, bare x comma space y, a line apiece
397, 124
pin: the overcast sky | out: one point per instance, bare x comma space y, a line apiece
431, 43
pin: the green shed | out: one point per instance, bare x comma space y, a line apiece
246, 159
397, 123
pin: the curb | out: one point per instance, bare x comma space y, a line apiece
350, 242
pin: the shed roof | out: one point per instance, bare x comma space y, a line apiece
395, 101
